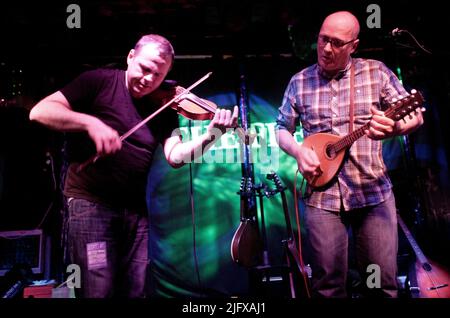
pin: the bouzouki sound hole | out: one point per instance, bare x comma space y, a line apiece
330, 152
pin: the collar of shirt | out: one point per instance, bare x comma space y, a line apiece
339, 74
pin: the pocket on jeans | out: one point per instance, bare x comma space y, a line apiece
81, 207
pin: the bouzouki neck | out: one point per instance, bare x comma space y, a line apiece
419, 254
396, 112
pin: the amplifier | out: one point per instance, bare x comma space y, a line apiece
22, 247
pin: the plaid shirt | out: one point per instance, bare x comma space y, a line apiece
322, 105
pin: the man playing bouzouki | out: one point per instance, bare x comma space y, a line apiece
324, 97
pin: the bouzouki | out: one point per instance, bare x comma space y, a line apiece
331, 149
429, 280
246, 245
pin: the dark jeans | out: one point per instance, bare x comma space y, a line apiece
111, 247
375, 237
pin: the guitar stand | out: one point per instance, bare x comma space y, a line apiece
266, 279
275, 280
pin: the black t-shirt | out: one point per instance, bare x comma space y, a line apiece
118, 179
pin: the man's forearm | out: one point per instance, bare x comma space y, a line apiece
287, 142
185, 152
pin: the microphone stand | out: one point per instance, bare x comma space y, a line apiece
409, 152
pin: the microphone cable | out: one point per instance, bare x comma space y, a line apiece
398, 31
192, 201
299, 232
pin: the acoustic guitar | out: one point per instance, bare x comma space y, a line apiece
428, 280
331, 149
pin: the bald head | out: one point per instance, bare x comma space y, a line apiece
337, 40
342, 22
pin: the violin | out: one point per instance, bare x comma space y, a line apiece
188, 105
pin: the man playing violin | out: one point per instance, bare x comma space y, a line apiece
107, 216
360, 196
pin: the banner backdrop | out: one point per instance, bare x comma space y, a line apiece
215, 212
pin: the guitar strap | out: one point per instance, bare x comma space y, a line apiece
352, 97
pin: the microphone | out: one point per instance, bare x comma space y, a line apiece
397, 32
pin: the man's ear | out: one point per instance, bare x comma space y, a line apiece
130, 56
354, 46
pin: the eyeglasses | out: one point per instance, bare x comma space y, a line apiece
336, 43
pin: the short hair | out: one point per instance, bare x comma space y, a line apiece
164, 44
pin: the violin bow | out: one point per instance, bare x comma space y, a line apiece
93, 159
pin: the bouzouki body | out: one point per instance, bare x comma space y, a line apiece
330, 162
429, 279
433, 280
246, 246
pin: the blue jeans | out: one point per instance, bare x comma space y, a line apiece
111, 247
375, 237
